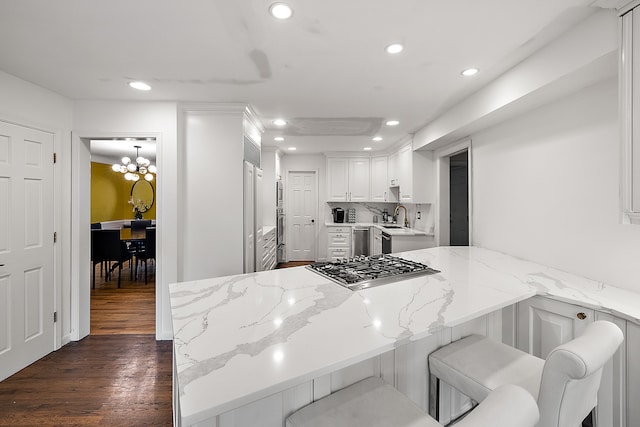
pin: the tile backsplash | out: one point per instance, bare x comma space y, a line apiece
365, 212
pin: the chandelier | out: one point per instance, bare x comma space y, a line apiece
134, 170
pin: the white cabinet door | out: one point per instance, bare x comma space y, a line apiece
337, 179
612, 395
392, 170
405, 173
358, 180
633, 374
544, 324
379, 183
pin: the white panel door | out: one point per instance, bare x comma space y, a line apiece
302, 207
359, 180
26, 247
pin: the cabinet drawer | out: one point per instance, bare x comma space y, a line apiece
339, 239
337, 253
343, 230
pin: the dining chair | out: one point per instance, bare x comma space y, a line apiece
97, 256
565, 385
149, 251
115, 250
374, 403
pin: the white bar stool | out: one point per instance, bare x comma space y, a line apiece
374, 403
565, 385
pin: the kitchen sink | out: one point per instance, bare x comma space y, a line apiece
392, 226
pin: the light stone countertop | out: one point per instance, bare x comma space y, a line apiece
241, 338
391, 231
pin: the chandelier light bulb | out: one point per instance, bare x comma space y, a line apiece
134, 171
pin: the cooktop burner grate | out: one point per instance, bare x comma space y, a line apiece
369, 271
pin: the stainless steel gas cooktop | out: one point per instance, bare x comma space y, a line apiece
369, 271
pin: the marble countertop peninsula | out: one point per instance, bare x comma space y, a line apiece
241, 338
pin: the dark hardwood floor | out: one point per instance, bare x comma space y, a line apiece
118, 376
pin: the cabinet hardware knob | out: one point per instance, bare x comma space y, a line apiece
581, 316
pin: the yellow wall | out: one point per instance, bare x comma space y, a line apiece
110, 194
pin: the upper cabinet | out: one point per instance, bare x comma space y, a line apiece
392, 169
415, 175
630, 102
347, 179
379, 183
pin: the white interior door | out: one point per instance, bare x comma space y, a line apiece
302, 207
26, 247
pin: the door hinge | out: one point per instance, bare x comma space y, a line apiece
55, 236
55, 316
55, 157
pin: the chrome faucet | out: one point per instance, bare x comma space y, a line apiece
406, 218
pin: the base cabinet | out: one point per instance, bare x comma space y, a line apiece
338, 243
543, 324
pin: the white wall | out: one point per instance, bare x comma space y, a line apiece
138, 118
270, 167
546, 188
33, 106
212, 193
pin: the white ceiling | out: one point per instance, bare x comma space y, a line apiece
324, 70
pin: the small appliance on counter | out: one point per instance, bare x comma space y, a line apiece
385, 216
338, 215
351, 215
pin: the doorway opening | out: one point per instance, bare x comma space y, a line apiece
454, 195
123, 293
459, 199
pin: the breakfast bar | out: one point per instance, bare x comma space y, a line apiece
275, 341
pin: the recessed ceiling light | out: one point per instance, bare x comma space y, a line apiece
377, 138
292, 148
392, 123
394, 48
279, 122
140, 85
367, 148
281, 11
470, 72
278, 138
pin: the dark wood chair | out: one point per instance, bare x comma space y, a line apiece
97, 257
149, 252
114, 250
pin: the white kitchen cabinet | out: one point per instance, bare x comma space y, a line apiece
392, 169
405, 173
413, 173
359, 177
347, 179
630, 120
612, 395
379, 181
338, 242
543, 324
633, 374
269, 253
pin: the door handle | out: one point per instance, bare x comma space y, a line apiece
1, 265
312, 221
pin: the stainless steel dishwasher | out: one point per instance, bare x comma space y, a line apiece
360, 241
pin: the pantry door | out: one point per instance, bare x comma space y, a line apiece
302, 210
26, 247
